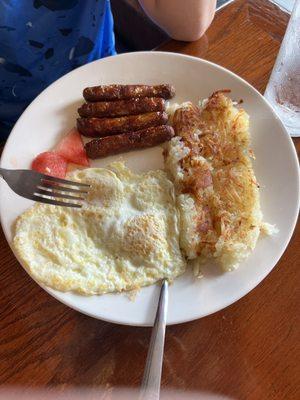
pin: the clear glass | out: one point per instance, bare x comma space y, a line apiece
283, 90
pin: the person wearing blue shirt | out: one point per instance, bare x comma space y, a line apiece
41, 40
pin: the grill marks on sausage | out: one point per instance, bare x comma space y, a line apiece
121, 92
99, 127
120, 108
140, 139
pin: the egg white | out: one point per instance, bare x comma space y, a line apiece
126, 235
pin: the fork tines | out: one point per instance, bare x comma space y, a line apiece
51, 190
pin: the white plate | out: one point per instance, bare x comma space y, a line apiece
53, 113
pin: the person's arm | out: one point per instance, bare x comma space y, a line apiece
181, 19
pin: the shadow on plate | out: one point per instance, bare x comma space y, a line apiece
68, 116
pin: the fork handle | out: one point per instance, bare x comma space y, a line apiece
150, 389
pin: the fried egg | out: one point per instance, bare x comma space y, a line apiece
124, 237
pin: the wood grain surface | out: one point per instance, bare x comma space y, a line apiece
250, 350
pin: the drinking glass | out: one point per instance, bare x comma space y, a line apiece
283, 89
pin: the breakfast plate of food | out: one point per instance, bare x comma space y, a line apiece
192, 177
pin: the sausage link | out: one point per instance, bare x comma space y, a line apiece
120, 92
99, 127
119, 108
144, 138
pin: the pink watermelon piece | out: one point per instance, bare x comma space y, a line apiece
71, 148
50, 163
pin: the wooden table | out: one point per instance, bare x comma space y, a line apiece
250, 350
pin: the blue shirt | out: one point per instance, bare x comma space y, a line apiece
41, 40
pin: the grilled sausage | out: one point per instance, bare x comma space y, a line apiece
119, 108
115, 144
99, 127
120, 92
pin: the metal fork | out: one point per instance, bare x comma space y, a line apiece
43, 188
150, 389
